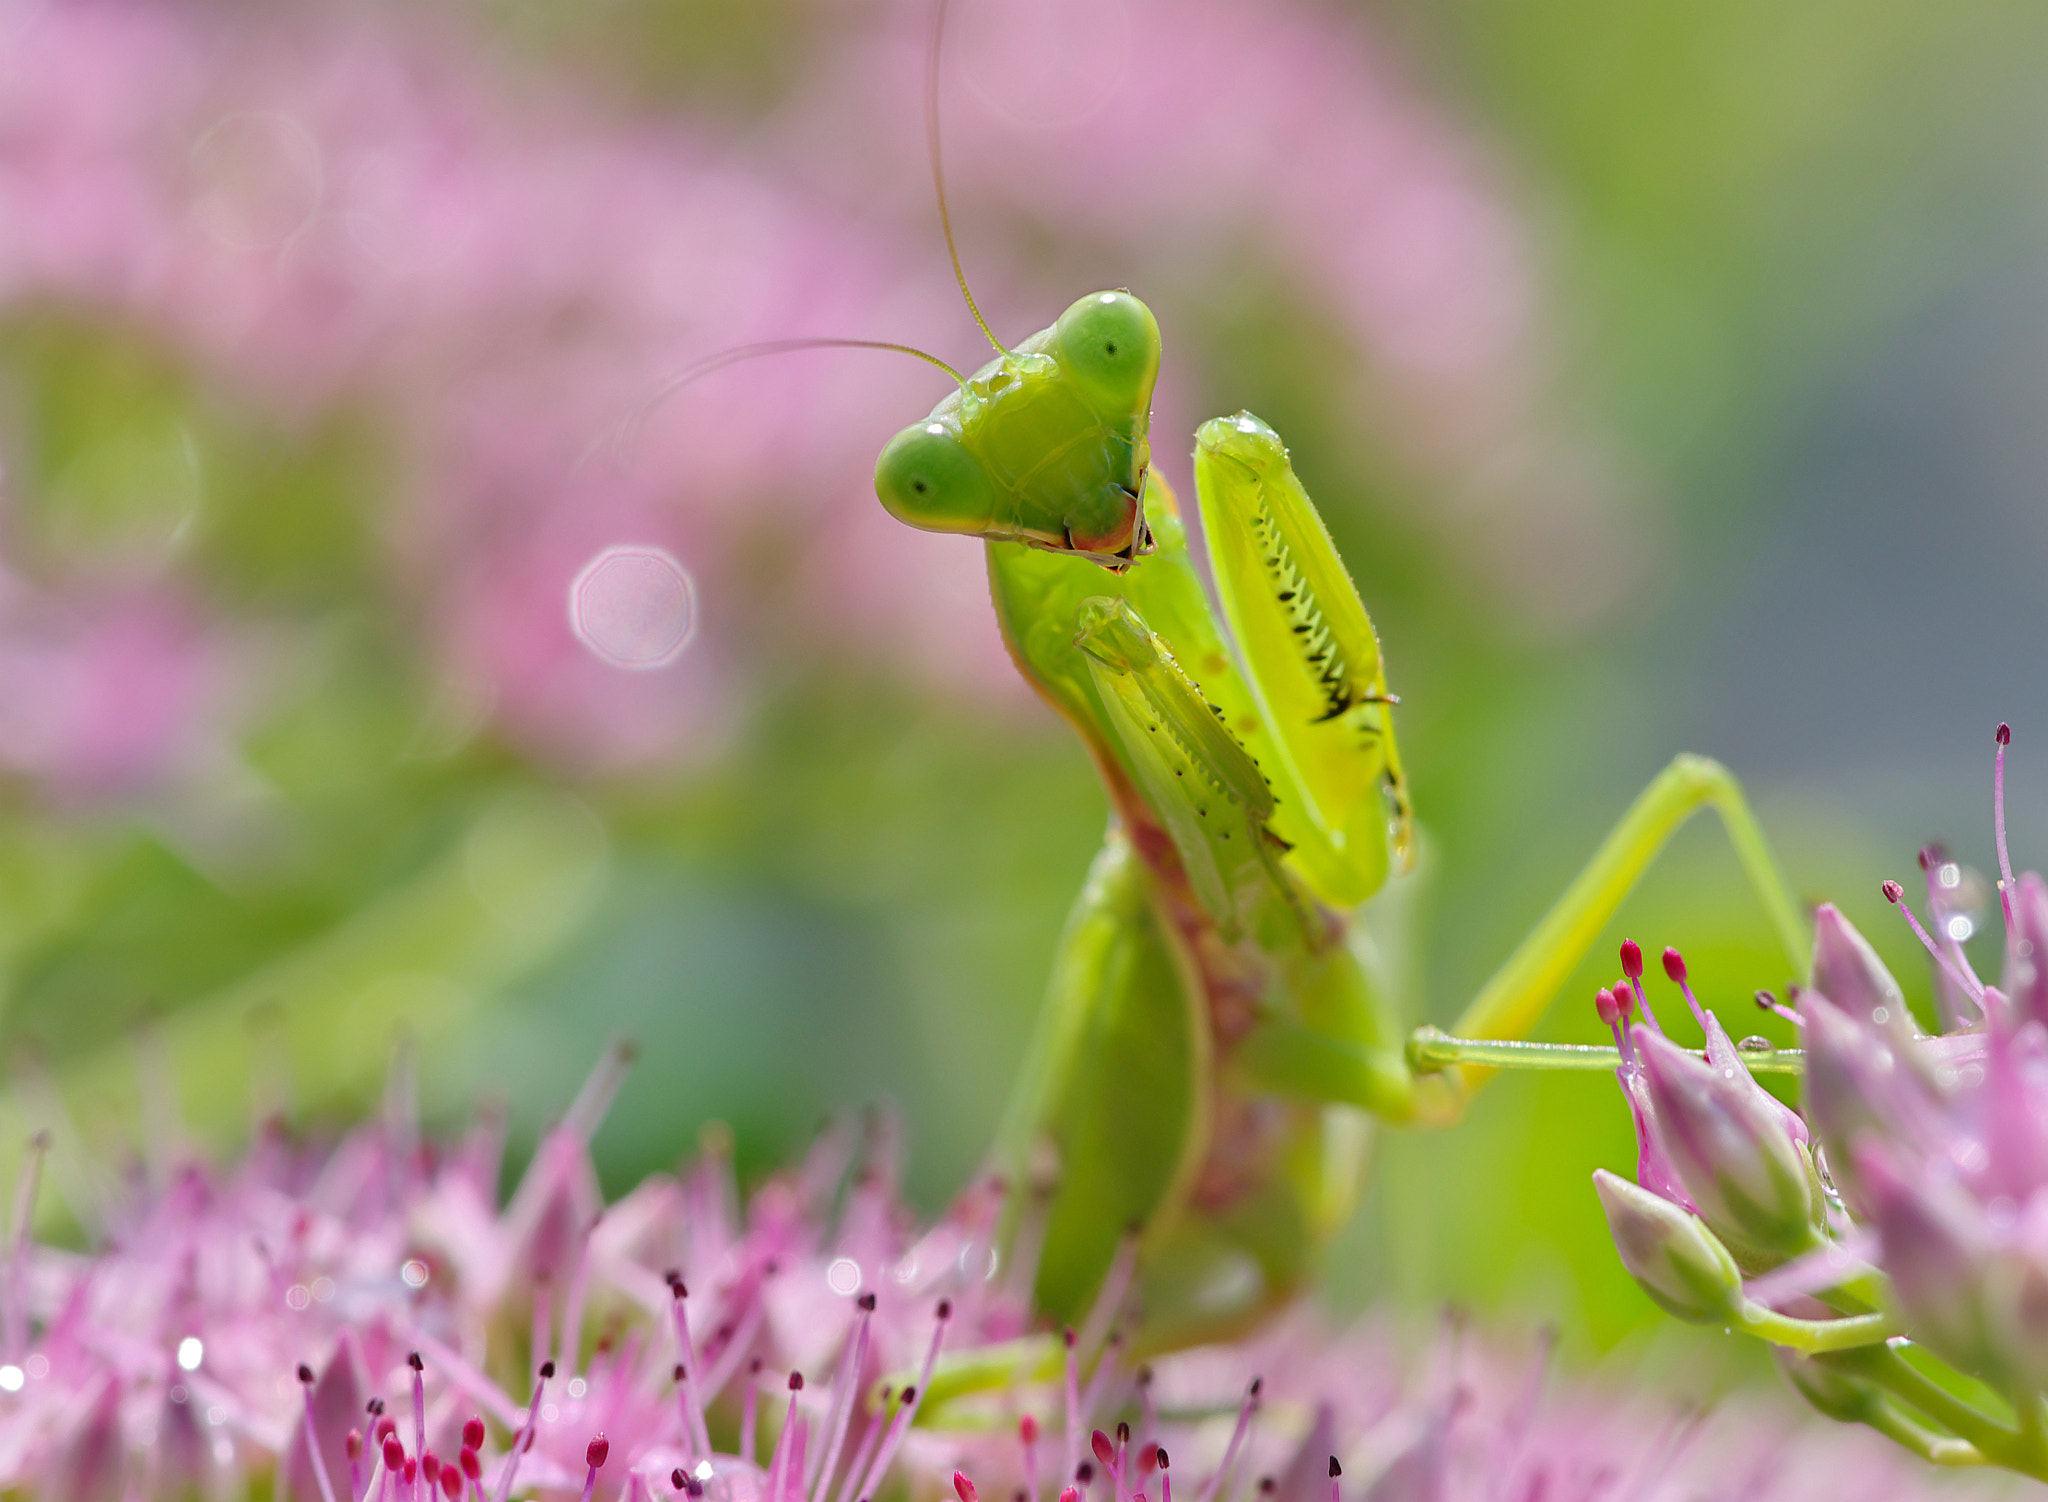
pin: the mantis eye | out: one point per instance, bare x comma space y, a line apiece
1109, 344
927, 478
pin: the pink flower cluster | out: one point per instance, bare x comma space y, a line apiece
364, 1322
1909, 1203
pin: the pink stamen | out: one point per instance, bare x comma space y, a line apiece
1932, 859
1214, 1485
599, 1451
1109, 1298
1998, 824
778, 1463
1896, 896
693, 1410
1767, 1002
1674, 967
523, 1440
1098, 1382
1027, 1436
312, 1437
887, 1455
843, 1383
750, 1409
1107, 1455
862, 1453
1072, 1455
419, 1402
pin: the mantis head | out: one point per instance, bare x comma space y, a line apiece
1047, 445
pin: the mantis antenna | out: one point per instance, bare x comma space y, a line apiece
628, 431
931, 135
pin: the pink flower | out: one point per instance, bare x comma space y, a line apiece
364, 1320
1922, 1212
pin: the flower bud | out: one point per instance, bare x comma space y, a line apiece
1847, 971
1932, 1247
1726, 1137
1675, 1258
1858, 1086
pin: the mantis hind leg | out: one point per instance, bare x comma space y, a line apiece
1516, 995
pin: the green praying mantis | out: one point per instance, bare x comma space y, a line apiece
1215, 1040
1193, 1111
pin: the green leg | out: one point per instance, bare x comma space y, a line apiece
1510, 1002
1332, 1058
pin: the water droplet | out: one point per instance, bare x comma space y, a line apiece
1949, 874
191, 1351
257, 180
1755, 1044
1960, 926
843, 1276
634, 607
414, 1273
298, 1296
11, 1378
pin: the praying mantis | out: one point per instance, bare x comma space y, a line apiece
1190, 1121
1215, 1040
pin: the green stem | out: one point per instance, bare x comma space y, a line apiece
1998, 1444
1814, 1336
1431, 1050
1938, 1449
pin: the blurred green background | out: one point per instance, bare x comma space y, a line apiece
1670, 378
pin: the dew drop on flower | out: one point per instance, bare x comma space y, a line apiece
191, 1351
11, 1377
298, 1296
1960, 927
634, 607
414, 1273
843, 1276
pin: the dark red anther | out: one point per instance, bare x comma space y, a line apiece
547, 1371
1631, 959
675, 1478
2004, 734
1765, 1001
1104, 1450
1067, 1335
472, 1466
963, 1488
1123, 1433
1335, 1469
1893, 891
1027, 1429
412, 1359
867, 1302
1608, 1008
596, 1452
695, 1488
909, 1396
305, 1374
1160, 1451
412, 1470
1674, 966
1085, 1472
1257, 1384
374, 1407
945, 1309
430, 1467
796, 1381
394, 1454
473, 1432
